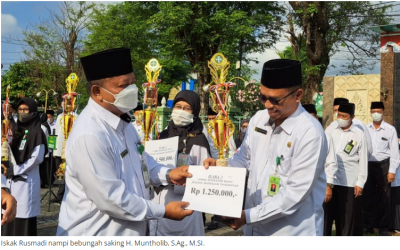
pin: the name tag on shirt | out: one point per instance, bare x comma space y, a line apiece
260, 130
124, 153
22, 145
146, 177
182, 159
384, 139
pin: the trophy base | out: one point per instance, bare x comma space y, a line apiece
222, 163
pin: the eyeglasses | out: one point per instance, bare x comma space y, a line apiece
23, 110
274, 101
186, 108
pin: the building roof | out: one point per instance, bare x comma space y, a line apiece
383, 29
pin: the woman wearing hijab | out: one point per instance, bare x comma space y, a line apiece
242, 132
29, 148
193, 149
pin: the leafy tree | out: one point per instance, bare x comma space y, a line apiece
200, 29
332, 27
54, 45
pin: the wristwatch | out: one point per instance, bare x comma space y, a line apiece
167, 176
330, 185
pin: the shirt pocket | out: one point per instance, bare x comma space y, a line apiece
285, 166
383, 144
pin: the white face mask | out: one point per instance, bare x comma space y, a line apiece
376, 117
335, 115
181, 118
343, 123
126, 100
243, 130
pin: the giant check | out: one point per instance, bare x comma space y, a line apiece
217, 190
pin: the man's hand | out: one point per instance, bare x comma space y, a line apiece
328, 194
178, 175
4, 169
9, 204
209, 162
175, 210
357, 191
391, 177
235, 223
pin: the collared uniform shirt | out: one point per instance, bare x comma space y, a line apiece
105, 191
331, 166
361, 126
25, 184
385, 145
60, 136
53, 125
297, 207
353, 167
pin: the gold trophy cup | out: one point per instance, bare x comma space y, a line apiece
148, 116
221, 128
68, 118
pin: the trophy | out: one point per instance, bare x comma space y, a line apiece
6, 135
148, 116
221, 128
68, 118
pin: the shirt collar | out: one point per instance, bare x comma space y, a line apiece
104, 114
380, 127
289, 123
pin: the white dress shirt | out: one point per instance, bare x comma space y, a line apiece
331, 166
191, 225
60, 136
396, 182
26, 188
297, 208
361, 126
385, 145
105, 191
353, 167
53, 125
46, 133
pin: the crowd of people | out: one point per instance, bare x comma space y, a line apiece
300, 179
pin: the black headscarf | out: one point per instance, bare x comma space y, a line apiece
34, 137
240, 138
195, 128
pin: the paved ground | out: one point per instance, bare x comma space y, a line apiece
47, 221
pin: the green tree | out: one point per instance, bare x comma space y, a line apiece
185, 34
201, 29
127, 25
54, 45
332, 27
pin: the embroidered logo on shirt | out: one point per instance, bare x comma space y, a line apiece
289, 144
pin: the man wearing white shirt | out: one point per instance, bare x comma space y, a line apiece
51, 121
382, 167
336, 102
331, 168
107, 180
284, 152
352, 159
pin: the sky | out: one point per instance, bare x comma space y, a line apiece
17, 16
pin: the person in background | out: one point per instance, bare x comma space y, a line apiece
394, 225
382, 167
107, 183
284, 145
336, 102
29, 146
352, 159
310, 108
51, 121
193, 149
242, 132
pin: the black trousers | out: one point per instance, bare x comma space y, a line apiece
345, 210
377, 196
20, 227
44, 172
395, 209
